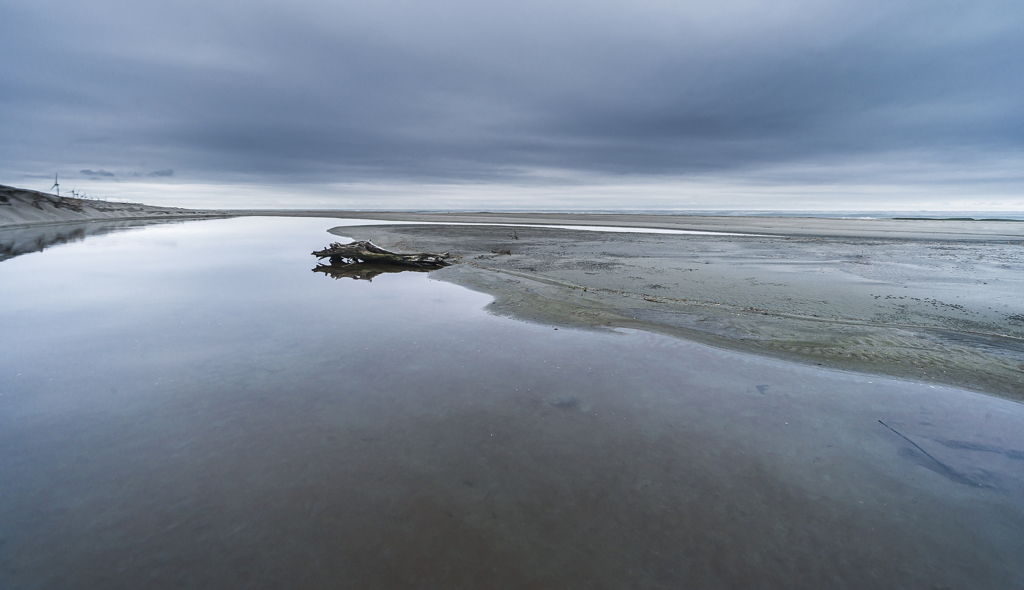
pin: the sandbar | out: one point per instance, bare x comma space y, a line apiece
942, 306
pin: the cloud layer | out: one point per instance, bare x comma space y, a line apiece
794, 92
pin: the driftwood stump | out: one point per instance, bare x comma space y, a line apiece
364, 260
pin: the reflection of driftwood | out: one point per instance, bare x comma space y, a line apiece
368, 252
362, 271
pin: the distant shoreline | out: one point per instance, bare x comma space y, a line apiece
23, 208
956, 230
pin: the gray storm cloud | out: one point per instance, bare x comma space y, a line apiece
476, 92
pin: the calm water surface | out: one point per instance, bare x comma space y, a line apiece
188, 406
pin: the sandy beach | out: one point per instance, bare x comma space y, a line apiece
918, 304
930, 300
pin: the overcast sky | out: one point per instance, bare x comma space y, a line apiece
435, 104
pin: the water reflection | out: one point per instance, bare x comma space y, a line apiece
36, 238
363, 271
225, 420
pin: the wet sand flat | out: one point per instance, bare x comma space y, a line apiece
942, 306
177, 412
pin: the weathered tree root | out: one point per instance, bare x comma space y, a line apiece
368, 252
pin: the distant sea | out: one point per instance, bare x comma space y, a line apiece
950, 215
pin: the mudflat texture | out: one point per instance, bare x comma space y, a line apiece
20, 207
943, 306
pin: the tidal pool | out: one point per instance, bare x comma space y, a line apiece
188, 405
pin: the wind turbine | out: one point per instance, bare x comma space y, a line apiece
56, 184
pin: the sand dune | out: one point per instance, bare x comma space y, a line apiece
20, 207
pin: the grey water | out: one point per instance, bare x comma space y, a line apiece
963, 215
188, 405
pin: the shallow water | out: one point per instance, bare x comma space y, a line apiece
594, 228
189, 406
